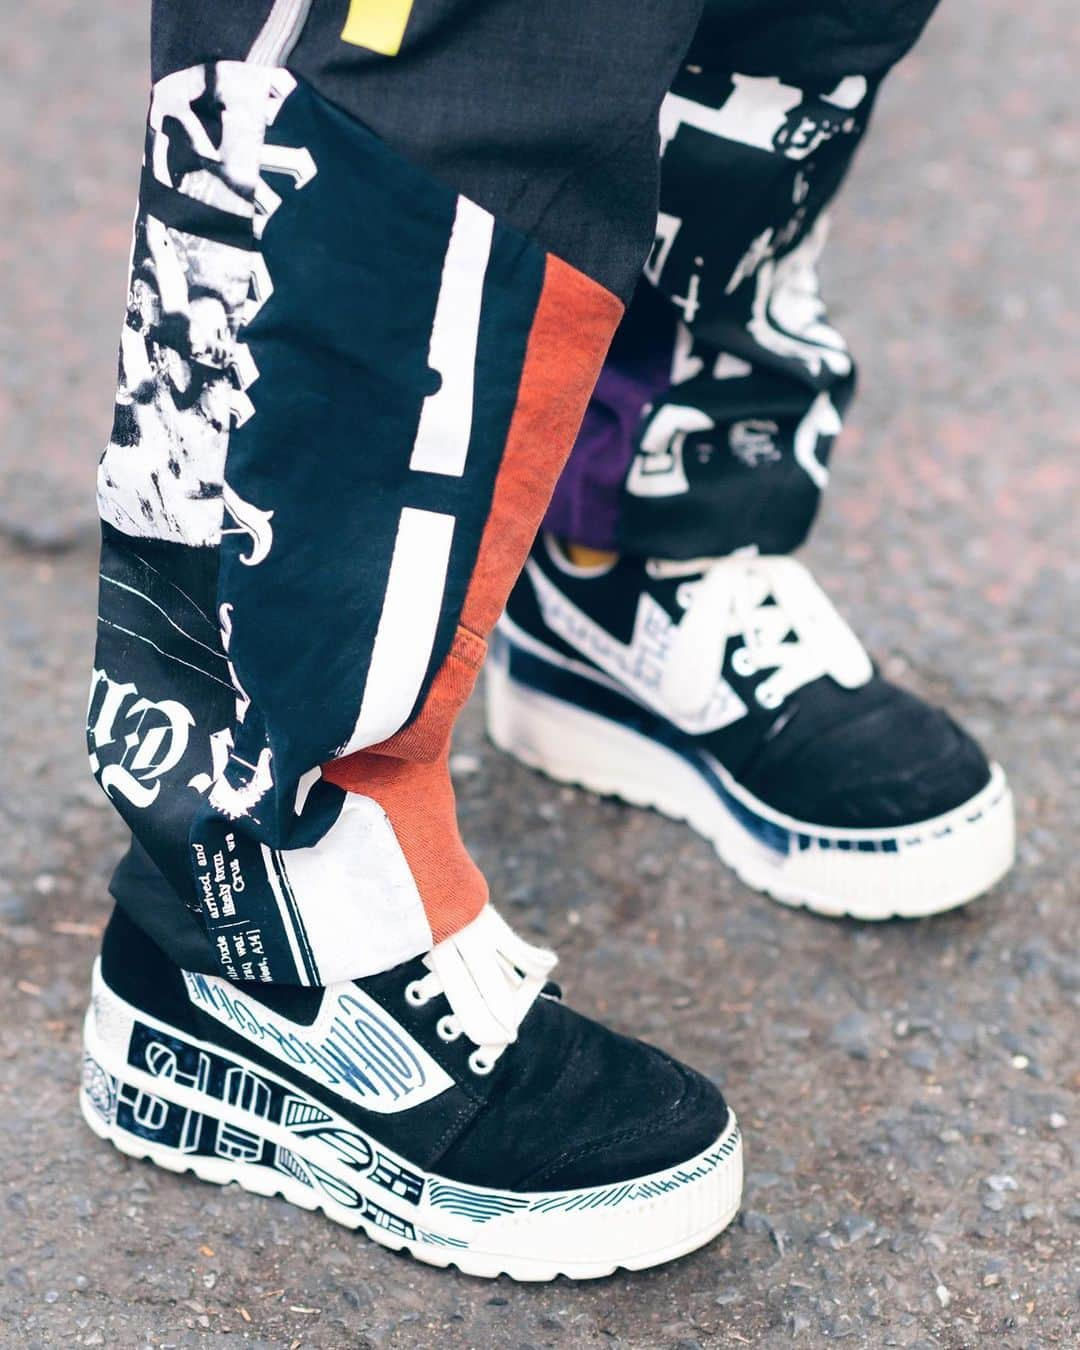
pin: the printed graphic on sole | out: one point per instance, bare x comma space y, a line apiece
189, 1106
556, 716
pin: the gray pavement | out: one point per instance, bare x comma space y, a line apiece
909, 1092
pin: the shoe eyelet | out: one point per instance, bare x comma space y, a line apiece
479, 1064
414, 995
684, 593
768, 698
742, 663
447, 1028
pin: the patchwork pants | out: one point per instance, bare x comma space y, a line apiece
381, 251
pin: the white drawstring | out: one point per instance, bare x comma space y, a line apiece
799, 636
491, 978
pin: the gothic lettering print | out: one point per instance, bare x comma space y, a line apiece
303, 456
146, 739
184, 369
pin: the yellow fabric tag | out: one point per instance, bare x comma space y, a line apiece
377, 24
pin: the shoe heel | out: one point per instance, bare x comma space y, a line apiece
159, 1116
163, 1122
511, 724
540, 730
153, 1129
573, 745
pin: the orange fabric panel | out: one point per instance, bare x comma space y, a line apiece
574, 323
408, 774
571, 331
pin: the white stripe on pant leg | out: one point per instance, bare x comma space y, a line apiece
288, 922
442, 438
280, 33
406, 634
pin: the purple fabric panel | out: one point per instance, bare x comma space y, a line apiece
585, 506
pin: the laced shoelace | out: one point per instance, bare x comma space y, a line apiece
787, 623
491, 978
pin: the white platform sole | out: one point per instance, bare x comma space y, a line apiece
189, 1106
909, 872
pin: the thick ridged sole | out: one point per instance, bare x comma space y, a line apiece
907, 872
158, 1094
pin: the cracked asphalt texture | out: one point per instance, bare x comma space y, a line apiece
909, 1091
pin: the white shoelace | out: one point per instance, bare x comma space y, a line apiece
799, 637
491, 978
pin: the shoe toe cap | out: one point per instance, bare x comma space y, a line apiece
901, 762
575, 1104
677, 1115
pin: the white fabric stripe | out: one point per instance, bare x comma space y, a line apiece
442, 438
286, 914
406, 632
280, 33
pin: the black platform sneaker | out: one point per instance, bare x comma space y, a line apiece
729, 693
452, 1106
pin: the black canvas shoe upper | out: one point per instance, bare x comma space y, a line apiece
865, 756
567, 1104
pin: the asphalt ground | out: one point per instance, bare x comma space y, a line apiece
909, 1091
